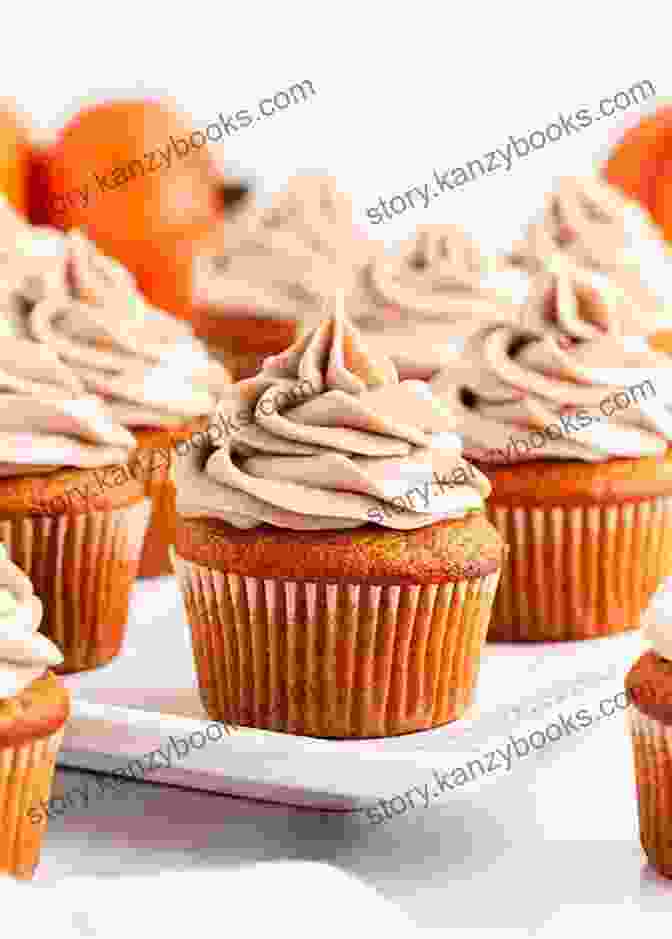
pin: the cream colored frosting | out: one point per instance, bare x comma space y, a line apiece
47, 421
659, 635
287, 259
24, 653
439, 274
313, 208
597, 227
515, 384
147, 366
359, 446
32, 262
266, 273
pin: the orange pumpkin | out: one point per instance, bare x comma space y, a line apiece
137, 178
641, 166
14, 158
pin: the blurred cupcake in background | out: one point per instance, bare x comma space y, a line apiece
571, 422
649, 692
335, 560
593, 225
436, 289
34, 707
154, 377
33, 260
151, 373
72, 514
261, 278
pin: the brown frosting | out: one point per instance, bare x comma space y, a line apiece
517, 382
439, 275
286, 260
47, 421
595, 226
146, 366
327, 437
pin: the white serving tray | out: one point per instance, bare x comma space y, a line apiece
131, 707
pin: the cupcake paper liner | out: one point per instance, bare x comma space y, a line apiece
82, 568
334, 659
652, 750
26, 774
578, 572
155, 557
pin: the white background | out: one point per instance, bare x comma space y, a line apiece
401, 89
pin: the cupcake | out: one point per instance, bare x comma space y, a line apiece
332, 549
34, 707
649, 692
261, 278
433, 292
148, 369
571, 423
72, 515
593, 225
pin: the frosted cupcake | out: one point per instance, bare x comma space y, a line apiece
261, 279
147, 368
593, 225
72, 514
336, 563
34, 707
649, 689
571, 423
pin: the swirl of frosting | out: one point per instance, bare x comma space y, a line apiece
266, 273
359, 446
33, 261
146, 366
312, 208
24, 653
597, 227
560, 384
47, 421
438, 274
284, 260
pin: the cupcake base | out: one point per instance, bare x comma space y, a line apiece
583, 562
340, 657
82, 563
649, 687
31, 732
26, 775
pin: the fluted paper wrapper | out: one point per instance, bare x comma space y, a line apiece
578, 572
26, 774
652, 749
82, 568
160, 534
334, 659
